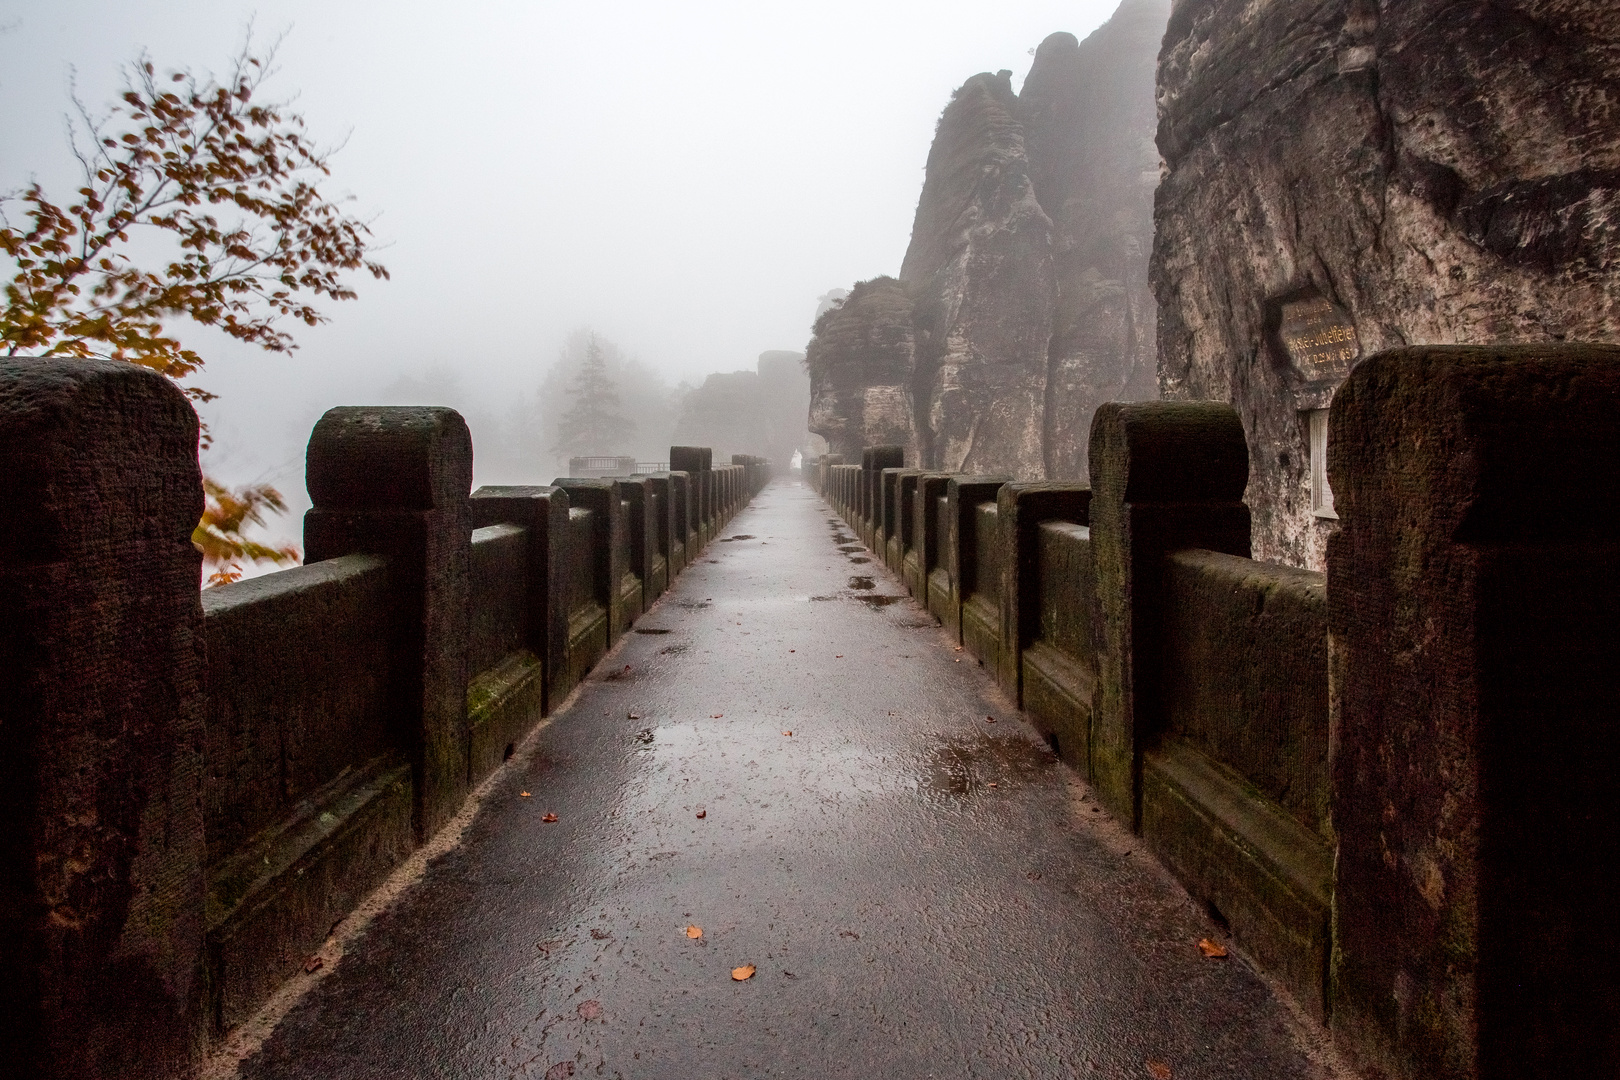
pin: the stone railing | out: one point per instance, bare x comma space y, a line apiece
198, 786
1394, 782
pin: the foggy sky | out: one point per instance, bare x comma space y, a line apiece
686, 178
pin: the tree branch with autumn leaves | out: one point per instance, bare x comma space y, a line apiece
232, 183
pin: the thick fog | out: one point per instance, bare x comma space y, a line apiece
682, 180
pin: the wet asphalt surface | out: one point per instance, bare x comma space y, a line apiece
921, 892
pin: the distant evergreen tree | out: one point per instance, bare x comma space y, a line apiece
594, 423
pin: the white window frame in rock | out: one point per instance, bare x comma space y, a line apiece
1321, 493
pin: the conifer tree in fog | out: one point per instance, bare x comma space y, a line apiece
594, 423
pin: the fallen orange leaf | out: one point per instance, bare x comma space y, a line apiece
716, 716
703, 813
1159, 1070
313, 964
523, 794
1212, 949
694, 932
989, 719
742, 973
840, 656
789, 734
549, 818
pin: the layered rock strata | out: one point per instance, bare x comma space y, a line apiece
1026, 275
1344, 176
862, 362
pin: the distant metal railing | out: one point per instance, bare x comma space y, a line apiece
612, 465
601, 465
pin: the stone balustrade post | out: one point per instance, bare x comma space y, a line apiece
101, 686
1472, 593
1165, 475
394, 481
1020, 509
543, 513
610, 546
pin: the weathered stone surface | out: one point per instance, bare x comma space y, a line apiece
1088, 114
1164, 476
101, 680
862, 366
394, 481
1471, 599
979, 270
543, 514
1026, 275
1428, 171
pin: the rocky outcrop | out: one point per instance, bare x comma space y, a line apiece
1087, 111
1027, 268
1345, 176
757, 412
979, 270
862, 363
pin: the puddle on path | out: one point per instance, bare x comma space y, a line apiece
862, 583
960, 767
652, 630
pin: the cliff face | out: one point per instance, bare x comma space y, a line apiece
1087, 111
1027, 268
979, 270
1429, 172
861, 362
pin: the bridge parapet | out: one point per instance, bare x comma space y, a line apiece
1394, 782
259, 756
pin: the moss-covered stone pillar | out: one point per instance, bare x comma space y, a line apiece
1020, 508
542, 511
609, 556
394, 481
101, 715
1164, 476
1474, 646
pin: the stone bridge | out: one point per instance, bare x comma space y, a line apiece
866, 772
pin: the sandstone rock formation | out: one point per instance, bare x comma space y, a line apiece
980, 271
1087, 110
862, 365
1026, 276
1345, 176
757, 412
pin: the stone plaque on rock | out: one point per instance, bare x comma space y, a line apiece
1319, 344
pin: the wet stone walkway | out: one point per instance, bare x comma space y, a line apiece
788, 755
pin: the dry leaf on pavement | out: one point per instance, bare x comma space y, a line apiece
694, 931
523, 794
789, 734
1212, 949
742, 973
313, 964
549, 818
703, 813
